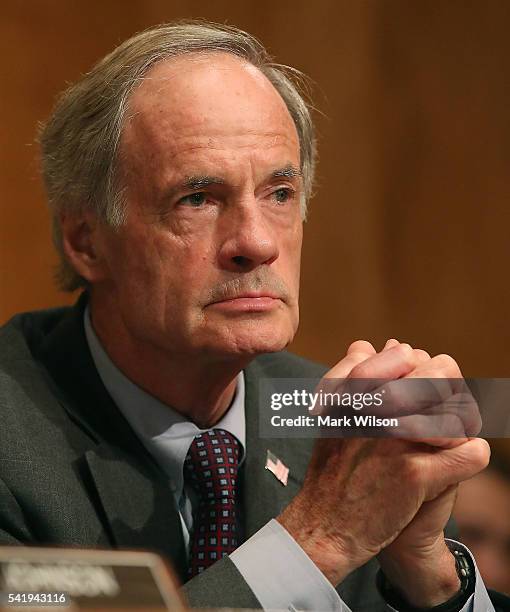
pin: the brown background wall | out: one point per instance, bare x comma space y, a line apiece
408, 232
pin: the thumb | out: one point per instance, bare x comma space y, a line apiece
456, 464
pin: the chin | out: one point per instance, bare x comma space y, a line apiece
259, 347
251, 338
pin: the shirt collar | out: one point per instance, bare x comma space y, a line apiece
166, 434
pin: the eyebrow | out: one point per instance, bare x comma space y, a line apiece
200, 181
289, 171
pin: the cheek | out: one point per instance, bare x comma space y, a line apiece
290, 251
162, 268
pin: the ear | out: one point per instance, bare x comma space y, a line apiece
81, 241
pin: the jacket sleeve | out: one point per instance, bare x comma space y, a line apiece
221, 586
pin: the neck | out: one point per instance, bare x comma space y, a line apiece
200, 389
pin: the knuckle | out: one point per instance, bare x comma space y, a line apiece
361, 371
421, 354
391, 342
474, 424
447, 364
470, 413
412, 472
405, 352
452, 425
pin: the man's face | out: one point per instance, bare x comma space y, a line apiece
208, 260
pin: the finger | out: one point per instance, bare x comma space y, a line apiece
421, 355
466, 407
334, 380
390, 344
445, 367
411, 395
395, 362
431, 429
429, 398
361, 346
444, 442
459, 416
440, 366
357, 352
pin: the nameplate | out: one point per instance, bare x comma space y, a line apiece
75, 579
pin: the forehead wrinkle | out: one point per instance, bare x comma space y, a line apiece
173, 149
164, 128
174, 121
174, 109
210, 143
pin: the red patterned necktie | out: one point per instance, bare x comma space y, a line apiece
211, 467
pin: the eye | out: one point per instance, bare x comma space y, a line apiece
283, 194
194, 199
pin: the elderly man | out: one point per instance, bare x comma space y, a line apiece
178, 172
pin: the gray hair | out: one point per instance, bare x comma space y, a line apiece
80, 141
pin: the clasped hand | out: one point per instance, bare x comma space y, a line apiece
388, 497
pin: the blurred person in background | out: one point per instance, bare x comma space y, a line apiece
482, 512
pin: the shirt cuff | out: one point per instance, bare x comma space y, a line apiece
479, 601
281, 575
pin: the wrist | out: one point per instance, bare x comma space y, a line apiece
328, 555
424, 579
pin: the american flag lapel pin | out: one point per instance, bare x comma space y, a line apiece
276, 467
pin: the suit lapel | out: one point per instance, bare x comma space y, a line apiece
137, 504
264, 496
131, 493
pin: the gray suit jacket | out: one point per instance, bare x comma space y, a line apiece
72, 471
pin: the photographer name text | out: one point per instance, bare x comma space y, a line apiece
326, 400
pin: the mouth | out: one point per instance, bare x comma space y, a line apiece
251, 301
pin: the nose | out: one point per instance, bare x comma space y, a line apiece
248, 240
